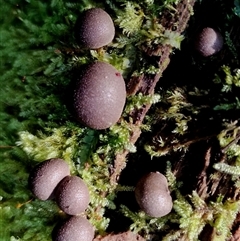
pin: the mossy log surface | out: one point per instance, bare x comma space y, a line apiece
211, 153
181, 119
146, 83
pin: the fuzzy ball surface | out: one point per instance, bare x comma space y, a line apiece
208, 42
153, 196
76, 228
99, 96
94, 28
72, 195
45, 177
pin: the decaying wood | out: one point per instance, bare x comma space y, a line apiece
202, 187
217, 183
126, 236
146, 83
209, 187
236, 229
236, 235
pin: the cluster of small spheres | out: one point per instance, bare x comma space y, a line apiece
51, 179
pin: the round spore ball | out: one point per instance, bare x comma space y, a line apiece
44, 178
94, 28
72, 195
99, 96
75, 228
153, 196
208, 42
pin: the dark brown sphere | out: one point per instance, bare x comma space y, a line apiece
75, 228
72, 195
99, 96
208, 42
153, 196
45, 177
94, 28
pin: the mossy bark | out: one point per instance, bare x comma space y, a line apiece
209, 151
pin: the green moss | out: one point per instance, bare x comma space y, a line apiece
137, 101
130, 20
224, 216
38, 54
18, 208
